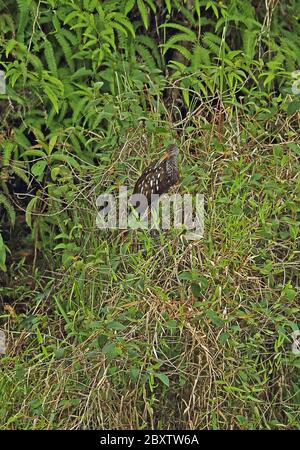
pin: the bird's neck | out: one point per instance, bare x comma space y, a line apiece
171, 165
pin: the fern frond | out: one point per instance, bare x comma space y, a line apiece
7, 24
184, 51
214, 43
200, 56
21, 174
123, 21
144, 13
289, 45
249, 44
23, 6
50, 57
129, 4
36, 62
179, 27
7, 151
9, 208
180, 37
67, 51
145, 55
70, 36
147, 41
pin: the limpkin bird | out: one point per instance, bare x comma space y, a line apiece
160, 176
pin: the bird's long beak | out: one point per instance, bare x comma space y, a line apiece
164, 157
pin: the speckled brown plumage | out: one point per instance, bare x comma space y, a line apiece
160, 176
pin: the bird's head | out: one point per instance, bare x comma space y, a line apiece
172, 151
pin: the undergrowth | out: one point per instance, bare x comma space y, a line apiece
130, 329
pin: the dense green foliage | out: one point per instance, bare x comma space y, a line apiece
181, 335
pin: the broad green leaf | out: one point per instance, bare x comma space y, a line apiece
65, 158
163, 378
33, 152
116, 326
112, 350
38, 168
52, 143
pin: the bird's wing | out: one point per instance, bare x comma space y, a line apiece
149, 169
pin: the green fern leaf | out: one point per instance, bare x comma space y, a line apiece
23, 6
125, 22
168, 5
144, 13
184, 51
200, 56
9, 208
36, 62
72, 38
249, 44
180, 37
8, 148
52, 97
152, 5
129, 4
50, 57
65, 46
21, 174
179, 27
146, 55
147, 41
